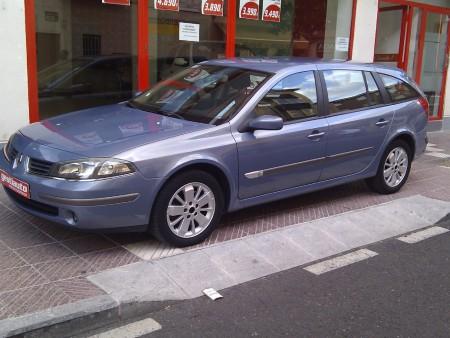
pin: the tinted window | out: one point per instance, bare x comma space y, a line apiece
398, 90
372, 89
346, 90
293, 98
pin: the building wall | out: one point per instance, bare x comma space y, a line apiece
13, 80
365, 30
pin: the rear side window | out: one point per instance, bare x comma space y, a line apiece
397, 89
293, 98
346, 90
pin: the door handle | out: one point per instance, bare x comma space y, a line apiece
316, 135
382, 123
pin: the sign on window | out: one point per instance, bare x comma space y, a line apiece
212, 7
167, 5
272, 10
249, 9
117, 2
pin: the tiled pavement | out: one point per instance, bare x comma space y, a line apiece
43, 265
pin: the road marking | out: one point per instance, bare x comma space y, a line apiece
422, 235
438, 155
431, 145
341, 261
433, 149
133, 330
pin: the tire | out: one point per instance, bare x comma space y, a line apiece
381, 184
191, 223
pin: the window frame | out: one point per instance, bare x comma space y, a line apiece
348, 111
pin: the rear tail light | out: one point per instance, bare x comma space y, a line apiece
425, 105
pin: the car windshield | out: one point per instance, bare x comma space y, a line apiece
58, 71
203, 93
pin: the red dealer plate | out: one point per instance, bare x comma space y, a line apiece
16, 185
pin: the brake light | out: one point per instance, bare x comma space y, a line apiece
425, 105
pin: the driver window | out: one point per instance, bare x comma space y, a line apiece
293, 98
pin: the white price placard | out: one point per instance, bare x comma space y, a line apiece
189, 32
249, 9
271, 10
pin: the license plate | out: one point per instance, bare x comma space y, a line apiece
16, 185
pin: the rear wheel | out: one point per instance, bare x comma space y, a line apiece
393, 170
187, 209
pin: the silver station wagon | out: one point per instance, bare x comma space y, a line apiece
217, 137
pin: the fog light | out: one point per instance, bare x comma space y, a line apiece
70, 217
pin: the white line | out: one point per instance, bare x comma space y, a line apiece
133, 330
438, 155
422, 235
433, 149
341, 261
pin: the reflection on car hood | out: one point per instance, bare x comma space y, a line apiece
107, 130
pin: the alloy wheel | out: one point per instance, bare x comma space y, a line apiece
395, 167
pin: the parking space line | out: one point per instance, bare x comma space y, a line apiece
422, 235
438, 155
341, 261
133, 330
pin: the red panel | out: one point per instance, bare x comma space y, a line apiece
117, 2
30, 31
401, 47
444, 76
143, 38
430, 8
352, 30
422, 30
230, 47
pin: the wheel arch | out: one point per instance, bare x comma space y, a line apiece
406, 137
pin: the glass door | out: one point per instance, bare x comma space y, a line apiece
432, 62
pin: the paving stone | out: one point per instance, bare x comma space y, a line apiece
108, 259
9, 259
240, 261
18, 278
314, 241
89, 244
194, 272
144, 281
44, 253
64, 268
279, 250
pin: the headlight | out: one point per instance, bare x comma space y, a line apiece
93, 169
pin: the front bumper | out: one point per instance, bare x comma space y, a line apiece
118, 203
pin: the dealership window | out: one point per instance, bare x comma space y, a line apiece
86, 54
180, 38
318, 28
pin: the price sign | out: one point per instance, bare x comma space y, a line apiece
249, 9
272, 10
117, 2
212, 7
167, 5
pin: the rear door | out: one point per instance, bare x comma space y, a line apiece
358, 120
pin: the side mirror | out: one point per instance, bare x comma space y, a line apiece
266, 122
181, 62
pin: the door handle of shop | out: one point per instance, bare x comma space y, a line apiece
315, 135
382, 123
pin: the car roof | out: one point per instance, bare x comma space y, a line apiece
277, 64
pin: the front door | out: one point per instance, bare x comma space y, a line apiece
271, 160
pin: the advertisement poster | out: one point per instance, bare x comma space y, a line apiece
272, 10
189, 32
212, 7
249, 9
167, 5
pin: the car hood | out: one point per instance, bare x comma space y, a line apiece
107, 131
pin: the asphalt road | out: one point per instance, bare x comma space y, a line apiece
404, 291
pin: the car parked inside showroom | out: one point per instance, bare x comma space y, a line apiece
217, 137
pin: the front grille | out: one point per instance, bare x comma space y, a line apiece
32, 205
39, 167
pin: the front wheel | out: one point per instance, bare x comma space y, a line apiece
393, 170
187, 209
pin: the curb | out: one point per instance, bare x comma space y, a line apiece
76, 318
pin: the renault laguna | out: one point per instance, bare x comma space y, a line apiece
219, 136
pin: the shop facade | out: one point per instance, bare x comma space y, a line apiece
65, 55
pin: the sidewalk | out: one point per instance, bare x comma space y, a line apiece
43, 266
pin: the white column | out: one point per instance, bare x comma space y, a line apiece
13, 65
447, 94
365, 30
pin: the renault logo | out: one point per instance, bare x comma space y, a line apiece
17, 160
